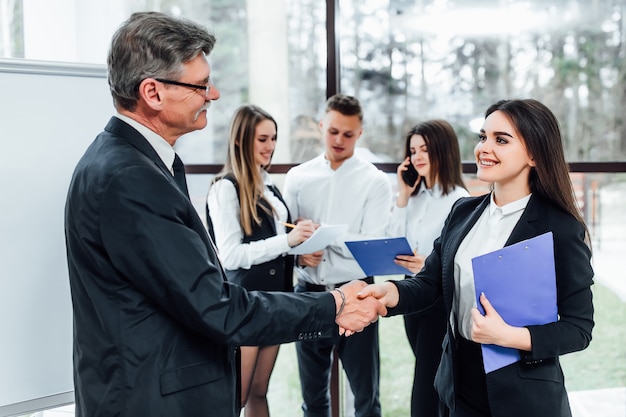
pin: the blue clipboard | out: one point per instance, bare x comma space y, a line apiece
375, 256
520, 282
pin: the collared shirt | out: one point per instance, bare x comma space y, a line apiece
224, 208
160, 145
490, 233
356, 194
423, 217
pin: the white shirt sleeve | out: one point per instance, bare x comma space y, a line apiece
397, 222
376, 210
290, 189
224, 210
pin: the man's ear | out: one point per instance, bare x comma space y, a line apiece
149, 93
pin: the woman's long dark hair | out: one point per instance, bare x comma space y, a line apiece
539, 129
443, 153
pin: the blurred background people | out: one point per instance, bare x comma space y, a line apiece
249, 220
429, 182
338, 187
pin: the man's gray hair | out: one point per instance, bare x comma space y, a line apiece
151, 45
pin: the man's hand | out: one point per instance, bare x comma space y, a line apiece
358, 312
311, 259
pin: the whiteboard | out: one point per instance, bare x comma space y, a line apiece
49, 114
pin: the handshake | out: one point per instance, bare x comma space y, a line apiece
359, 304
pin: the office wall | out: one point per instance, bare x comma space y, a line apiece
49, 113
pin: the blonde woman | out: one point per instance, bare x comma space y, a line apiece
248, 216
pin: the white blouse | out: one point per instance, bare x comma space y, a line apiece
490, 232
423, 217
224, 210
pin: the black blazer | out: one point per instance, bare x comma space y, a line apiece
155, 322
534, 386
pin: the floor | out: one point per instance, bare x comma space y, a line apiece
594, 403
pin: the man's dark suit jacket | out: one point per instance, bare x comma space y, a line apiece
155, 322
534, 386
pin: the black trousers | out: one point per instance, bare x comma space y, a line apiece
471, 387
360, 359
425, 332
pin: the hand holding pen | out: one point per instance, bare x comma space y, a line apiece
300, 232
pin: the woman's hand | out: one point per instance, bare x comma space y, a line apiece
491, 329
385, 292
404, 190
303, 230
413, 263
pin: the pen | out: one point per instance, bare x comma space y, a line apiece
288, 224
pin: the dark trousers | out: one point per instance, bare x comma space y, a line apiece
471, 386
425, 332
361, 362
463, 411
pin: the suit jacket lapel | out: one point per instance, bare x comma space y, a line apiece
125, 131
454, 240
122, 129
460, 231
526, 227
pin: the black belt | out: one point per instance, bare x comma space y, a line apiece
319, 288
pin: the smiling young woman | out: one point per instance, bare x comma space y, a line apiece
249, 217
520, 152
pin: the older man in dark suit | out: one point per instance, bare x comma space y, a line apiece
156, 325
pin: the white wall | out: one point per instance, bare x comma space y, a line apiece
49, 113
71, 30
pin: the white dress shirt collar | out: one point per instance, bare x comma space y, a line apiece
510, 208
489, 233
160, 145
348, 163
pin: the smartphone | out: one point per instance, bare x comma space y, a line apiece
410, 175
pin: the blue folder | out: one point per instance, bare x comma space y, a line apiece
375, 256
520, 282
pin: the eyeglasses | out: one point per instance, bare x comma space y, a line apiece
206, 87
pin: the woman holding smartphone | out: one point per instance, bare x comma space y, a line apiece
429, 182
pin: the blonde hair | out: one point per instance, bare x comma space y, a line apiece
241, 165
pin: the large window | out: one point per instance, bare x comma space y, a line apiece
412, 60
406, 60
270, 53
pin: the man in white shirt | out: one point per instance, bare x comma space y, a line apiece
338, 187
